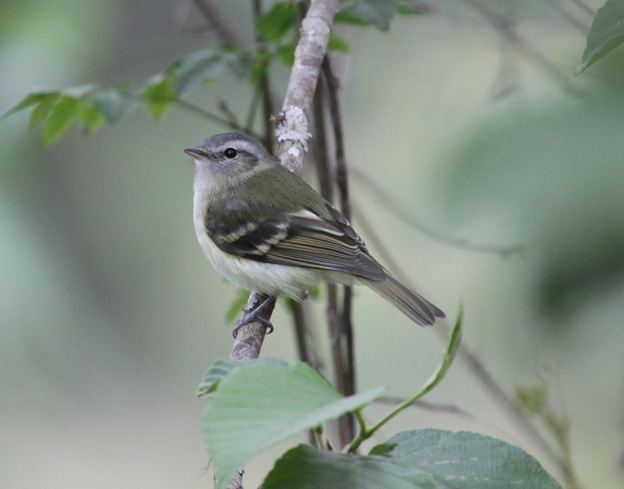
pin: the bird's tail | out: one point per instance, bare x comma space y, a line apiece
415, 307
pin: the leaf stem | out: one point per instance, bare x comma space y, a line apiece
438, 375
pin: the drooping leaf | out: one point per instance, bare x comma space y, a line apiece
260, 405
90, 116
276, 22
337, 43
237, 60
43, 110
237, 305
606, 33
478, 461
114, 103
346, 17
259, 66
60, 116
531, 399
159, 93
424, 459
370, 12
286, 53
410, 7
28, 101
197, 69
225, 366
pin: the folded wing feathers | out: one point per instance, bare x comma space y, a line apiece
301, 239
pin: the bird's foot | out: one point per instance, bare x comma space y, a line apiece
254, 316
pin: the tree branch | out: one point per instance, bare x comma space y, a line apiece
217, 22
292, 126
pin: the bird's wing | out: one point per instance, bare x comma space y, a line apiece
303, 239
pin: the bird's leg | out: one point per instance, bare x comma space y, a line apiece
254, 316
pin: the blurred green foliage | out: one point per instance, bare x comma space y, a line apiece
554, 179
108, 310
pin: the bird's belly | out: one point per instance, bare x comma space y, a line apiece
268, 278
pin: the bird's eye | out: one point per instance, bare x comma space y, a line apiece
230, 153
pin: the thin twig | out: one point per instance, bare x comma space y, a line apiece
477, 368
429, 406
506, 28
346, 426
264, 84
346, 323
218, 23
499, 394
584, 7
253, 107
573, 21
388, 201
214, 117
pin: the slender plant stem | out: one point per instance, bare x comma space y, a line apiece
342, 182
584, 7
399, 211
505, 27
334, 315
264, 84
573, 21
214, 117
225, 33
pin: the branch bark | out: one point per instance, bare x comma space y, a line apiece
292, 126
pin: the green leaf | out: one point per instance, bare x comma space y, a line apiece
466, 460
197, 69
28, 101
337, 44
530, 399
606, 33
225, 366
305, 467
237, 305
280, 19
345, 17
412, 8
286, 53
160, 93
424, 459
42, 111
114, 103
260, 405
90, 116
259, 66
61, 115
238, 61
371, 12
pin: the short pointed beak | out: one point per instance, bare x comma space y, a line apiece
196, 153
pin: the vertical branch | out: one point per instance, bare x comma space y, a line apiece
217, 23
343, 190
292, 124
264, 85
340, 354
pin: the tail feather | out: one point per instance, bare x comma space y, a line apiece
415, 307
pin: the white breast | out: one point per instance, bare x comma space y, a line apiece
268, 278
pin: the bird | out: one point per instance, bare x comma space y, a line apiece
265, 229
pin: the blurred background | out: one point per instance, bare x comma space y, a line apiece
110, 314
